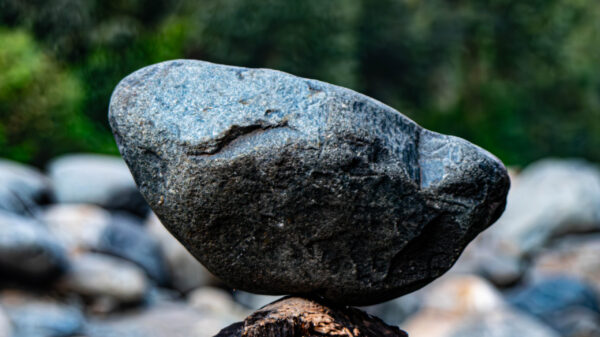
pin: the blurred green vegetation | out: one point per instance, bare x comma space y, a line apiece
520, 78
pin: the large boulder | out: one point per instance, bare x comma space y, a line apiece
280, 184
96, 179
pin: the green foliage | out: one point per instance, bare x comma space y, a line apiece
518, 77
39, 104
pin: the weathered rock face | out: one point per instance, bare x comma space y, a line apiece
280, 184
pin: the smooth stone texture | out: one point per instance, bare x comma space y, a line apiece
280, 184
28, 251
22, 188
186, 272
95, 179
103, 277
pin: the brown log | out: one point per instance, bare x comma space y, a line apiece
308, 317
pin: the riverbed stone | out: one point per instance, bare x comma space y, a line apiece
280, 184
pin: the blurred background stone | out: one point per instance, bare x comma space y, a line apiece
104, 277
22, 188
28, 251
470, 306
5, 325
186, 272
575, 255
557, 301
135, 244
95, 179
41, 317
549, 198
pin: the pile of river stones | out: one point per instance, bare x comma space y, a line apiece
282, 185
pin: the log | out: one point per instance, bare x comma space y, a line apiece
308, 317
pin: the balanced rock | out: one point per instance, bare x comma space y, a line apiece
285, 185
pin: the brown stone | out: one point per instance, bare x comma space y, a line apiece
303, 317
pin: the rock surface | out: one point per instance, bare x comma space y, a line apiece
295, 316
280, 184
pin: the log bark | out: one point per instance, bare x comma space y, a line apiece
308, 317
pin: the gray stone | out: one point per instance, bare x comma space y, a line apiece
460, 306
564, 303
83, 227
280, 184
95, 179
253, 301
186, 272
77, 226
28, 251
41, 318
549, 198
502, 324
105, 278
133, 243
575, 255
163, 320
22, 188
5, 326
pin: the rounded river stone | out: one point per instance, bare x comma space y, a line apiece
285, 185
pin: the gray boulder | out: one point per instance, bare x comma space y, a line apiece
280, 184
